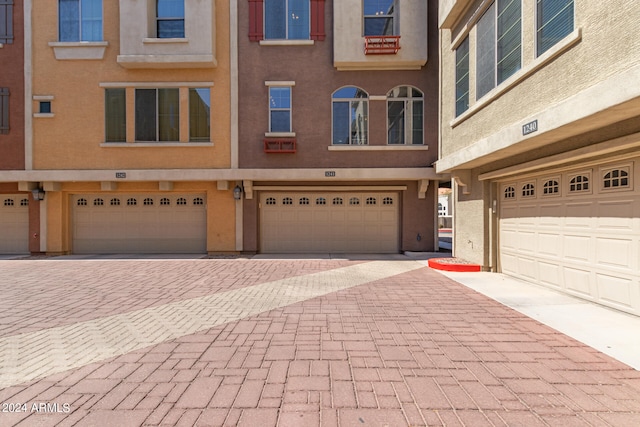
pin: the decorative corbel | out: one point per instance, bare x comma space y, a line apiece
248, 189
462, 177
423, 186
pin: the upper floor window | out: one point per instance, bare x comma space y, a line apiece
4, 110
462, 77
350, 109
199, 115
157, 115
6, 21
115, 115
286, 19
499, 41
380, 17
405, 105
554, 22
170, 19
80, 20
280, 109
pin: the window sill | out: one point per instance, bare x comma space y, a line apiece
519, 76
279, 134
78, 50
287, 42
378, 147
152, 40
43, 115
155, 144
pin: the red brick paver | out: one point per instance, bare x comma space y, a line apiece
412, 349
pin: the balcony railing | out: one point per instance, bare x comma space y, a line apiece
381, 45
280, 145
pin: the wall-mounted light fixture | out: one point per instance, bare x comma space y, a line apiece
38, 194
237, 192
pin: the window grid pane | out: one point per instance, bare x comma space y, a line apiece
280, 109
168, 115
115, 112
199, 115
462, 77
554, 22
146, 115
509, 38
170, 16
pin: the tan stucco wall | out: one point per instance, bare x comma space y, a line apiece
608, 45
71, 139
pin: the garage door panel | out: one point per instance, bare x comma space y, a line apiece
577, 247
614, 252
343, 222
550, 274
154, 224
14, 224
550, 244
578, 280
615, 289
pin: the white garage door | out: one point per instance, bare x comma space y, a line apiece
329, 222
578, 232
14, 224
139, 223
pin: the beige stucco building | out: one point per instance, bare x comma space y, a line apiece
129, 126
540, 129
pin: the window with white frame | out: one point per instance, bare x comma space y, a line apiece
528, 190
616, 178
199, 115
405, 116
462, 77
6, 21
498, 44
551, 187
280, 109
509, 192
554, 21
286, 19
350, 112
579, 183
380, 17
79, 20
170, 19
157, 115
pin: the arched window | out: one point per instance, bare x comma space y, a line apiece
579, 183
350, 110
354, 201
98, 202
405, 116
115, 202
616, 178
337, 201
82, 202
528, 190
303, 201
271, 201
551, 187
510, 193
387, 201
165, 201
321, 201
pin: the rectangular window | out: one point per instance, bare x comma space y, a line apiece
280, 109
115, 115
200, 115
554, 22
286, 19
4, 110
499, 41
462, 77
157, 115
170, 19
80, 20
380, 17
6, 21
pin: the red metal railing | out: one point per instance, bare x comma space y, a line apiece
280, 145
381, 45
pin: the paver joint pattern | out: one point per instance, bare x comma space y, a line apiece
324, 343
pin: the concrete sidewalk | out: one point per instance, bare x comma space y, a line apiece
610, 331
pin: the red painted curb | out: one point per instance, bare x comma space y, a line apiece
449, 264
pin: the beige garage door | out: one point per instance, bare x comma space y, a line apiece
139, 223
329, 222
14, 224
577, 232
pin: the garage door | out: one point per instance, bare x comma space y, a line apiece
578, 232
14, 224
139, 223
329, 222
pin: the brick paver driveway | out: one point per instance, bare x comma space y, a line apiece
287, 343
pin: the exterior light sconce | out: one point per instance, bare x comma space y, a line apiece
38, 194
237, 192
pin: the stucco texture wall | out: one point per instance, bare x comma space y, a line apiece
71, 139
609, 45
